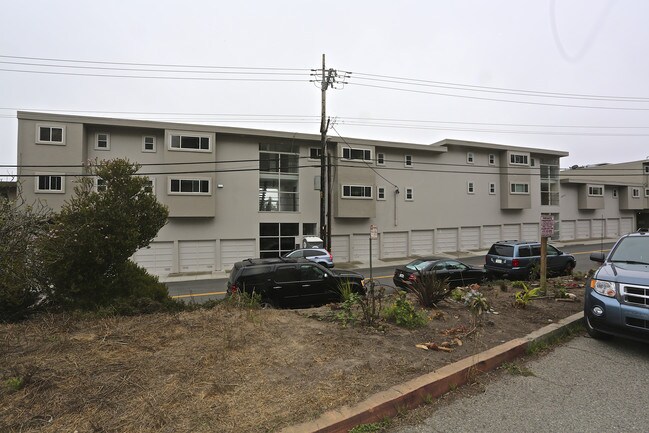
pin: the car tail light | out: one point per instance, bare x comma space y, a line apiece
331, 257
516, 263
233, 288
412, 277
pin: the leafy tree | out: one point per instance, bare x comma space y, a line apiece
22, 275
97, 231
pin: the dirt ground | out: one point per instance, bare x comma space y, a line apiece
228, 369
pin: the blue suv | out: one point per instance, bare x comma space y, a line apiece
617, 295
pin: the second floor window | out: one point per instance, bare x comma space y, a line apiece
357, 154
518, 159
102, 141
189, 186
380, 159
408, 160
520, 188
357, 191
279, 177
595, 190
635, 193
196, 142
49, 183
47, 134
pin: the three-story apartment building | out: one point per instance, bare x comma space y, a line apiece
235, 193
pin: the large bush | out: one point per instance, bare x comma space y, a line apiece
97, 231
22, 273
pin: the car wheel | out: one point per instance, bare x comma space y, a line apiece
266, 304
594, 333
567, 270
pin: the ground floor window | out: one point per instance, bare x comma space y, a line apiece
277, 239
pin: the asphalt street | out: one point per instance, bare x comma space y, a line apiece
585, 386
201, 290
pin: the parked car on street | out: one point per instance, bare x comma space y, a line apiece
520, 259
455, 272
288, 282
317, 255
617, 295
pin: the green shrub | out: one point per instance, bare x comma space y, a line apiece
523, 297
476, 302
457, 294
403, 313
429, 289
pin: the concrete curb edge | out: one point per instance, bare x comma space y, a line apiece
432, 385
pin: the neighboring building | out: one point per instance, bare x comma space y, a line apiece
606, 200
235, 193
8, 189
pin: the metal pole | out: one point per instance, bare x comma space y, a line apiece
323, 147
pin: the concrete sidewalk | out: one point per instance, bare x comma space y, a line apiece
376, 263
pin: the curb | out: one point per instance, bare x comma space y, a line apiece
415, 392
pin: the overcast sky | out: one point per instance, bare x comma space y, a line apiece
566, 74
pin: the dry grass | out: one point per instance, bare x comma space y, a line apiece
225, 369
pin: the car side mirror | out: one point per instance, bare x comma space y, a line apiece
597, 257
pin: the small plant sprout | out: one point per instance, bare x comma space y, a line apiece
523, 297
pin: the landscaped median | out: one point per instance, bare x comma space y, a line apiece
421, 389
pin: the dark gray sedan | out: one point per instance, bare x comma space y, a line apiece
455, 272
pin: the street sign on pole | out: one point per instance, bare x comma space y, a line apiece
547, 226
374, 232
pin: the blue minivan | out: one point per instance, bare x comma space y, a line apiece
617, 295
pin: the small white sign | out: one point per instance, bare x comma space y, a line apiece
547, 226
374, 232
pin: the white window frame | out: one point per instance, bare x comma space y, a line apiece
470, 187
144, 143
380, 193
97, 146
635, 192
646, 192
407, 161
512, 188
492, 159
366, 188
592, 190
646, 169
614, 192
192, 179
410, 194
50, 126
470, 158
190, 134
514, 156
49, 191
380, 158
350, 150
492, 188
152, 180
97, 180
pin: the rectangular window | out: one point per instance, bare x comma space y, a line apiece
380, 159
635, 192
470, 187
100, 184
492, 159
614, 192
520, 188
149, 186
357, 191
189, 186
470, 158
357, 154
309, 229
277, 239
595, 190
518, 159
646, 169
50, 134
49, 183
315, 152
191, 142
148, 143
279, 178
380, 193
407, 161
646, 192
102, 141
410, 194
492, 188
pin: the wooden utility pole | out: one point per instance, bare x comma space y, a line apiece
327, 77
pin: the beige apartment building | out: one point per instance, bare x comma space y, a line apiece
235, 193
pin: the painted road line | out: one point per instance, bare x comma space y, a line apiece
198, 294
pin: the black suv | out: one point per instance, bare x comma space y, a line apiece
617, 295
285, 282
517, 259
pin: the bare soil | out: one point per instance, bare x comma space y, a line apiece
228, 369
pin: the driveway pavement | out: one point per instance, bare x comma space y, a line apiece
585, 385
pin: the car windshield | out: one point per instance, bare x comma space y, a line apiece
634, 249
419, 265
